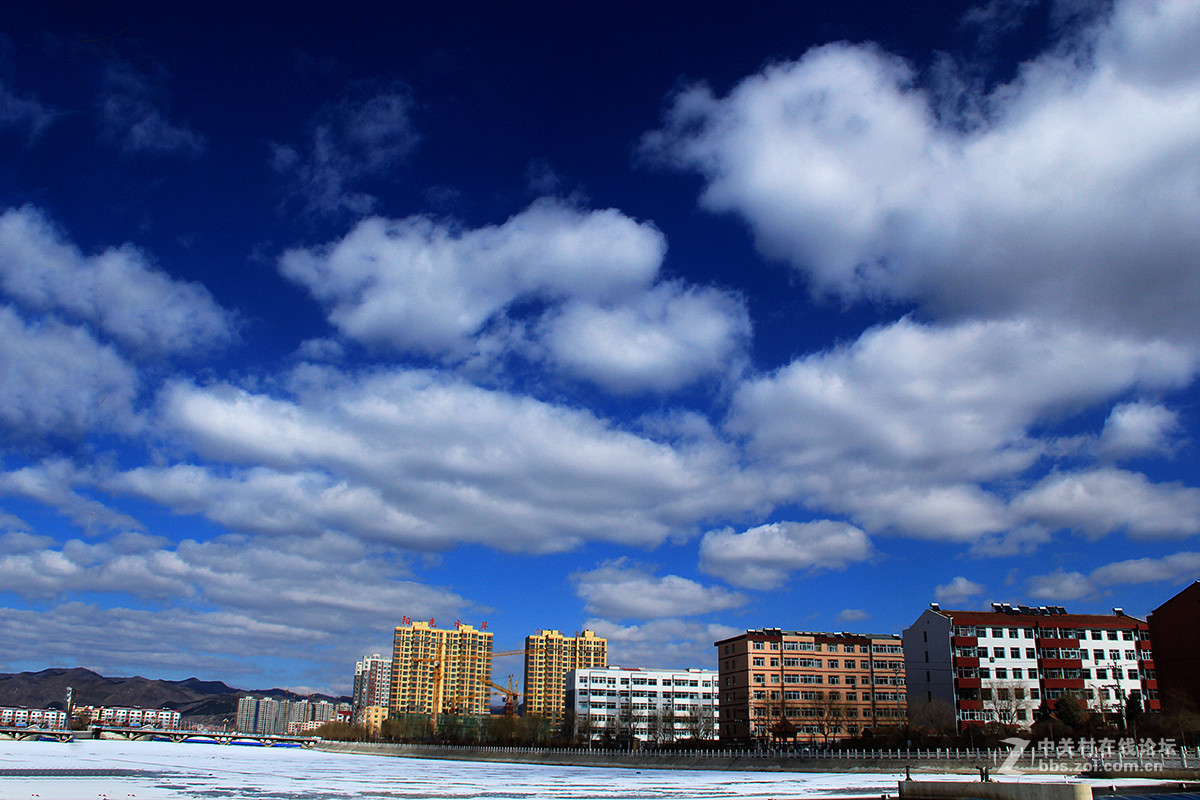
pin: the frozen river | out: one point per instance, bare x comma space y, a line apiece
119, 770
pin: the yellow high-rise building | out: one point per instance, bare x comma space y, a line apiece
548, 657
438, 671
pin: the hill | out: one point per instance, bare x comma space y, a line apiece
196, 700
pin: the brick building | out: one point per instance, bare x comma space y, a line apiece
806, 686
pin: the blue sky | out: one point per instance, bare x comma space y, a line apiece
668, 322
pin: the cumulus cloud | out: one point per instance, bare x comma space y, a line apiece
1139, 429
420, 285
425, 460
898, 428
622, 590
764, 557
1105, 500
958, 592
662, 643
852, 615
1073, 196
133, 115
557, 283
668, 337
366, 134
1061, 585
56, 380
118, 291
53, 483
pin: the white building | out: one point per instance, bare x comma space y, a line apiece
373, 681
163, 718
48, 718
653, 705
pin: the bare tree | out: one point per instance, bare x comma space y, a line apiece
1006, 700
830, 714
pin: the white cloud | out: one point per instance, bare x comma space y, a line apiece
1071, 197
897, 428
852, 615
52, 483
764, 556
1105, 500
958, 592
119, 291
132, 114
621, 590
1060, 585
427, 461
57, 380
667, 338
1139, 429
424, 286
366, 134
662, 643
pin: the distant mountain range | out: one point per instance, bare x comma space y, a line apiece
197, 701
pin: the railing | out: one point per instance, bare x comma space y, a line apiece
1180, 757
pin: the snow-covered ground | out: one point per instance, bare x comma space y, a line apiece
119, 770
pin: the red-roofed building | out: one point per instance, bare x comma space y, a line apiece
999, 665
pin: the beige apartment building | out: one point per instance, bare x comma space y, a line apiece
549, 656
802, 686
437, 671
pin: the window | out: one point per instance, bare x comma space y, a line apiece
1018, 673
1030, 652
984, 672
1013, 633
1115, 655
1014, 652
1112, 636
1001, 673
1029, 633
758, 678
833, 663
757, 662
757, 646
834, 680
1102, 674
998, 652
1127, 635
997, 633
1130, 655
1132, 674
774, 662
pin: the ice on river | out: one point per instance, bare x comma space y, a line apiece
120, 770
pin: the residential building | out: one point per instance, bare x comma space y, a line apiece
1000, 665
437, 671
130, 717
372, 681
1175, 634
549, 656
658, 705
47, 718
372, 717
808, 686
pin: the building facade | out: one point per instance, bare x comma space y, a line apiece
653, 705
1000, 665
131, 717
808, 686
48, 718
1175, 634
549, 656
372, 682
437, 671
268, 715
